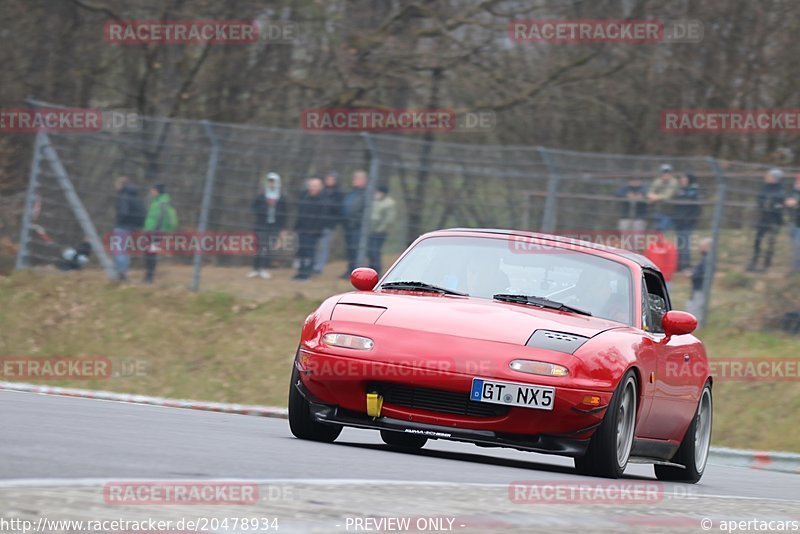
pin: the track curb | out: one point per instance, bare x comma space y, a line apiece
243, 409
785, 462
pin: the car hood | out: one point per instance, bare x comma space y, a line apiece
464, 316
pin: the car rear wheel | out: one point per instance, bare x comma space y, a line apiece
693, 452
401, 440
301, 422
611, 444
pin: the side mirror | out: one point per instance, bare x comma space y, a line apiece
678, 323
364, 278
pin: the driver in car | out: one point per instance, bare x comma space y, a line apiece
596, 295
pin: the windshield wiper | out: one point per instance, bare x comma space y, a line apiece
540, 302
421, 286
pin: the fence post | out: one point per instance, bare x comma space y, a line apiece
550, 215
30, 199
205, 205
716, 226
78, 209
372, 184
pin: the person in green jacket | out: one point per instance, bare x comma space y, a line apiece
161, 217
383, 214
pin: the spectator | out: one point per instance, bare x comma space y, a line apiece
161, 217
310, 221
633, 217
793, 203
664, 254
697, 302
269, 220
332, 209
661, 191
686, 213
130, 215
353, 216
382, 216
771, 199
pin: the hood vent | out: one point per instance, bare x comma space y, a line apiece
558, 341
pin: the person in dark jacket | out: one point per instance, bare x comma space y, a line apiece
696, 301
129, 218
633, 215
332, 208
793, 204
269, 220
353, 217
771, 198
685, 215
309, 224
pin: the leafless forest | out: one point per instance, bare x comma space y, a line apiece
422, 53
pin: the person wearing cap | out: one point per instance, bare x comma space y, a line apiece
686, 212
662, 190
381, 219
332, 211
269, 220
770, 201
793, 204
160, 218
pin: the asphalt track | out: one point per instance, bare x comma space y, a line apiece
67, 442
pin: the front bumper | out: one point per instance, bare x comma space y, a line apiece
542, 443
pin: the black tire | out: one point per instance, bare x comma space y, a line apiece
401, 440
685, 456
601, 458
301, 422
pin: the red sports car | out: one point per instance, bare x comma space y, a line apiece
511, 339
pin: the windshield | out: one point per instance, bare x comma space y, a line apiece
483, 267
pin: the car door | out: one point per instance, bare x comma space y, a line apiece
674, 391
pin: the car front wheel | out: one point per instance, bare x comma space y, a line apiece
610, 446
301, 422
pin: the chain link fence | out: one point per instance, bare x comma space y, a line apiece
213, 172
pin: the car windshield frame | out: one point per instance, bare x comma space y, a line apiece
577, 252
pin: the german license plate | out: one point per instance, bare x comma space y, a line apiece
510, 394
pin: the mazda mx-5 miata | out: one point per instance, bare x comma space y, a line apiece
511, 339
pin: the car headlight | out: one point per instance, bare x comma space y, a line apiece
539, 368
348, 341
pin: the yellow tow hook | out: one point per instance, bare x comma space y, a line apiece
374, 404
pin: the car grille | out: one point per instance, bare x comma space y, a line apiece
436, 400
